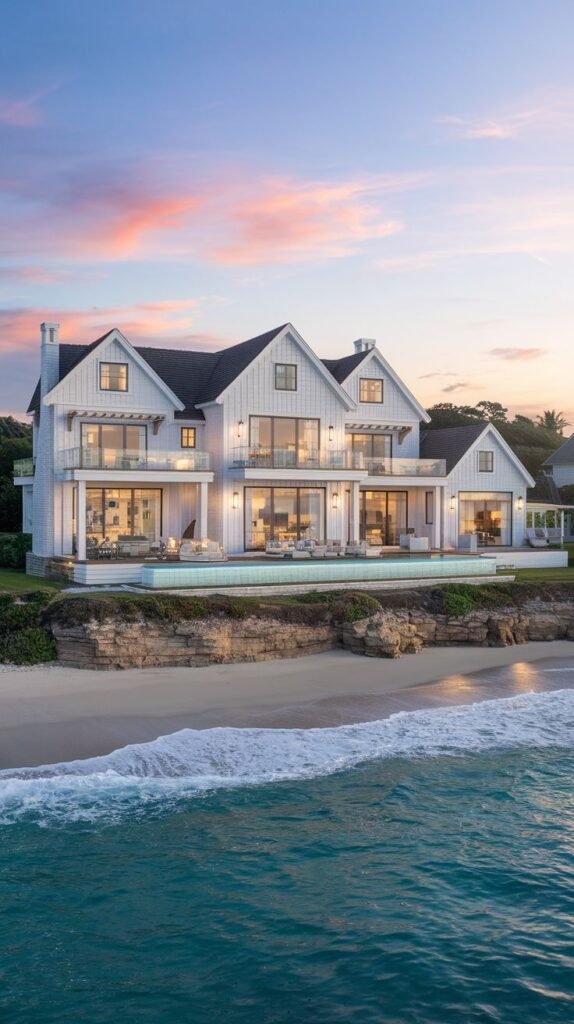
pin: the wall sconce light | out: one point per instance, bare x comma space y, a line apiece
452, 502
331, 433
240, 427
335, 501
235, 500
520, 503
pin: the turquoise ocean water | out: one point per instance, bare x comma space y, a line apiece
418, 869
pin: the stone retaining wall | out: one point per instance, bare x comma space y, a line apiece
386, 634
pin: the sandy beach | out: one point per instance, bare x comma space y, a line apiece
61, 714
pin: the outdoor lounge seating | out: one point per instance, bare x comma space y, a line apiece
201, 551
413, 543
279, 548
537, 537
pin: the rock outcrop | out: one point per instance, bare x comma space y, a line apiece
389, 633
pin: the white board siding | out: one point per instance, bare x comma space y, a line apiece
466, 477
395, 407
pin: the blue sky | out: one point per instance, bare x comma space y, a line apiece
196, 173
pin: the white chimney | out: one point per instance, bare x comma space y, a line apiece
364, 344
50, 357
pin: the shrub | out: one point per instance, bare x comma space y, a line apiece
29, 646
354, 606
459, 599
13, 549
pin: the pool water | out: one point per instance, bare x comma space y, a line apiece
336, 570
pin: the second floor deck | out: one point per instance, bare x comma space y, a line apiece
258, 458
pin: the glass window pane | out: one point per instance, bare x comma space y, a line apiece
257, 517
146, 513
188, 437
260, 432
370, 390
308, 448
312, 513
285, 513
285, 377
114, 376
94, 514
284, 442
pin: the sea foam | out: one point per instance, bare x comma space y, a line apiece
153, 776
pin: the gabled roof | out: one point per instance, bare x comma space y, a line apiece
343, 368
193, 376
563, 456
450, 443
232, 361
196, 378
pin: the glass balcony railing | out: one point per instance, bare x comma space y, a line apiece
404, 467
254, 457
24, 467
247, 457
113, 459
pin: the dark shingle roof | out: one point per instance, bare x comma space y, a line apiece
563, 456
341, 368
195, 377
450, 443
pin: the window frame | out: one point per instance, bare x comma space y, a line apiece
184, 430
292, 366
489, 452
372, 380
108, 362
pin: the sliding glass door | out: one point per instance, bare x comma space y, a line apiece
281, 442
122, 513
283, 513
384, 516
488, 515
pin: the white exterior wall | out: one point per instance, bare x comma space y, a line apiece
394, 409
466, 477
254, 394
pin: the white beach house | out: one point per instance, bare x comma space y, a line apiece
258, 442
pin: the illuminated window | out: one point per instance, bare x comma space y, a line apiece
370, 390
285, 377
113, 376
188, 437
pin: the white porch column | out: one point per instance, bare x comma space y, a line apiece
81, 521
436, 540
355, 513
202, 511
561, 527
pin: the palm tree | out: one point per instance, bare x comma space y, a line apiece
552, 420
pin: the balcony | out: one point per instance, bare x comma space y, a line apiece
24, 467
247, 457
113, 460
305, 459
404, 467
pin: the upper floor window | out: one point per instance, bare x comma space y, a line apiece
188, 437
370, 390
285, 377
373, 446
113, 376
486, 462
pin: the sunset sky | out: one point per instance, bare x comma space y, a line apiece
195, 173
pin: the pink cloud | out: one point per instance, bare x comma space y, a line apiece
518, 354
286, 221
554, 115
245, 221
149, 323
23, 113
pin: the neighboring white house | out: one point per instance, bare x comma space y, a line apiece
559, 466
262, 440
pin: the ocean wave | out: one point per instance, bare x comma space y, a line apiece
147, 776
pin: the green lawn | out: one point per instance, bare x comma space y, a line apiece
558, 575
15, 582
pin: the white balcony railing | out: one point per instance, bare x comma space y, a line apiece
114, 460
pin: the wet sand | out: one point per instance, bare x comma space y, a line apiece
61, 714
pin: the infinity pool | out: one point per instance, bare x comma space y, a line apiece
244, 574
